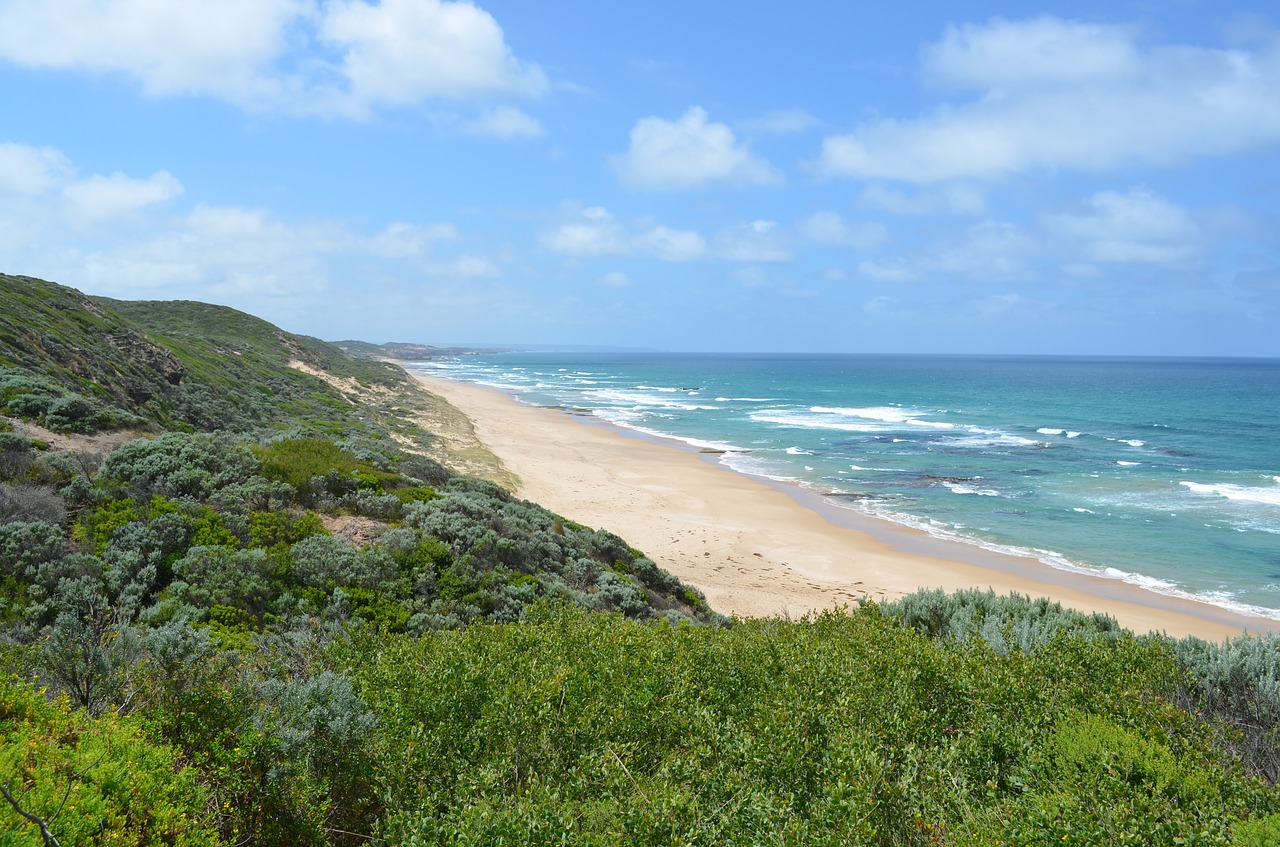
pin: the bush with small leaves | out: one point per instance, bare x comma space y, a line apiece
215, 575
26, 545
322, 561
618, 594
180, 465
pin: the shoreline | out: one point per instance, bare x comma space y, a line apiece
759, 548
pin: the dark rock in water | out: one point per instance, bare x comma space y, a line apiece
713, 451
955, 480
847, 495
1029, 472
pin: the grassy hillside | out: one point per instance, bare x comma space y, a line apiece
179, 364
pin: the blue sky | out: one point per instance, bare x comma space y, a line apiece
1094, 178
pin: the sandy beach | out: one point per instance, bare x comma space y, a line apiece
760, 549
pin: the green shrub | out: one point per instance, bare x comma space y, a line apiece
89, 777
180, 465
296, 461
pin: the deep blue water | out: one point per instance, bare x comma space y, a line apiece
1164, 472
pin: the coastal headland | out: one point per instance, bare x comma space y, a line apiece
758, 549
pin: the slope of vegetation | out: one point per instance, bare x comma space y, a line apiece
276, 619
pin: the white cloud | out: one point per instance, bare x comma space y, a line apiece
596, 232
402, 51
688, 153
31, 170
279, 55
831, 228
215, 48
1055, 94
138, 246
757, 241
1046, 50
504, 122
955, 199
1139, 226
105, 197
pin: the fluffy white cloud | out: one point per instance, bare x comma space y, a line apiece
1139, 226
105, 197
279, 55
1056, 94
596, 232
401, 51
688, 153
215, 48
831, 228
1030, 54
118, 235
31, 170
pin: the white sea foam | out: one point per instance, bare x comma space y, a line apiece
957, 488
1044, 430
798, 451
752, 465
1071, 434
1124, 464
983, 437
614, 395
810, 420
885, 414
1269, 495
1084, 511
869, 419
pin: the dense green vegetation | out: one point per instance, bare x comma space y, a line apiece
278, 621
82, 364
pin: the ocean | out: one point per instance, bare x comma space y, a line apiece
1160, 472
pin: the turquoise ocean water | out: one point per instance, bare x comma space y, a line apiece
1161, 472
